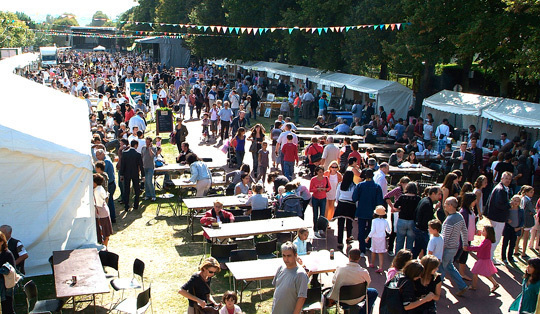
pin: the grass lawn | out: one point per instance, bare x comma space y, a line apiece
171, 257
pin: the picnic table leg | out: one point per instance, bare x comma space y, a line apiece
94, 299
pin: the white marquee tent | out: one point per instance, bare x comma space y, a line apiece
46, 167
503, 114
390, 94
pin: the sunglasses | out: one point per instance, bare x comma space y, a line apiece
211, 272
334, 167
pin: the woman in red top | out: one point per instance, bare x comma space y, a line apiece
129, 113
314, 154
216, 214
318, 186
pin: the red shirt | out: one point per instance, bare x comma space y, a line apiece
316, 183
290, 152
358, 157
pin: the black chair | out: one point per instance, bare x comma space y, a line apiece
243, 255
207, 159
285, 214
222, 252
266, 249
236, 212
352, 292
242, 218
109, 259
40, 306
261, 214
130, 283
52, 264
135, 306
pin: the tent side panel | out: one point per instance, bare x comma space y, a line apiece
48, 204
397, 100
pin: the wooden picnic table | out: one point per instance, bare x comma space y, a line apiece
86, 265
175, 167
337, 137
197, 204
255, 227
379, 147
420, 169
313, 130
263, 269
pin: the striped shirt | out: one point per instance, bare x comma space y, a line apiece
452, 228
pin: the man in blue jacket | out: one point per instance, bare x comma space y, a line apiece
367, 196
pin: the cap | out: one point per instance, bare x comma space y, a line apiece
372, 161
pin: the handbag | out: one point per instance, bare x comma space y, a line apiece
206, 310
391, 302
253, 146
172, 138
315, 157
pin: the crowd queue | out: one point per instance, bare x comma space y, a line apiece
427, 230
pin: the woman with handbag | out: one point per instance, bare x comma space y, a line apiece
197, 289
314, 155
103, 219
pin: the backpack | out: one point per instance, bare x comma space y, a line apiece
292, 203
11, 279
391, 302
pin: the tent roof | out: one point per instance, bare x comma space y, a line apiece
156, 40
515, 112
459, 103
24, 115
354, 82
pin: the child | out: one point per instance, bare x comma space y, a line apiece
279, 196
264, 162
399, 261
301, 242
527, 299
205, 126
229, 299
158, 141
484, 265
512, 229
379, 229
239, 144
436, 243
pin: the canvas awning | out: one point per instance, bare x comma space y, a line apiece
515, 112
459, 103
99, 48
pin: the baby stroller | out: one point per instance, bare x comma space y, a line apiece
231, 157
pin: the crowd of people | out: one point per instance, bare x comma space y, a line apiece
427, 230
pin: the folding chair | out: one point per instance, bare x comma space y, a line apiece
351, 293
135, 306
40, 306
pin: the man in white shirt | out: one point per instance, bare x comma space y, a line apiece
282, 140
442, 133
330, 153
348, 275
428, 130
137, 121
234, 98
307, 104
504, 139
380, 177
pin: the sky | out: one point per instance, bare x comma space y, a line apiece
83, 10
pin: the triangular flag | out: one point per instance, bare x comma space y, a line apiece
347, 28
326, 29
255, 31
341, 29
205, 28
319, 30
150, 24
272, 29
224, 29
199, 27
375, 26
398, 25
231, 29
266, 29
290, 30
392, 26
249, 29
261, 30
162, 24
313, 30
243, 29
333, 29
386, 26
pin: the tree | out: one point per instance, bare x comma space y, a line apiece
14, 32
99, 19
66, 19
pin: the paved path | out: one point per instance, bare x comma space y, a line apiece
477, 302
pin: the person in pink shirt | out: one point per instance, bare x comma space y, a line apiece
484, 265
